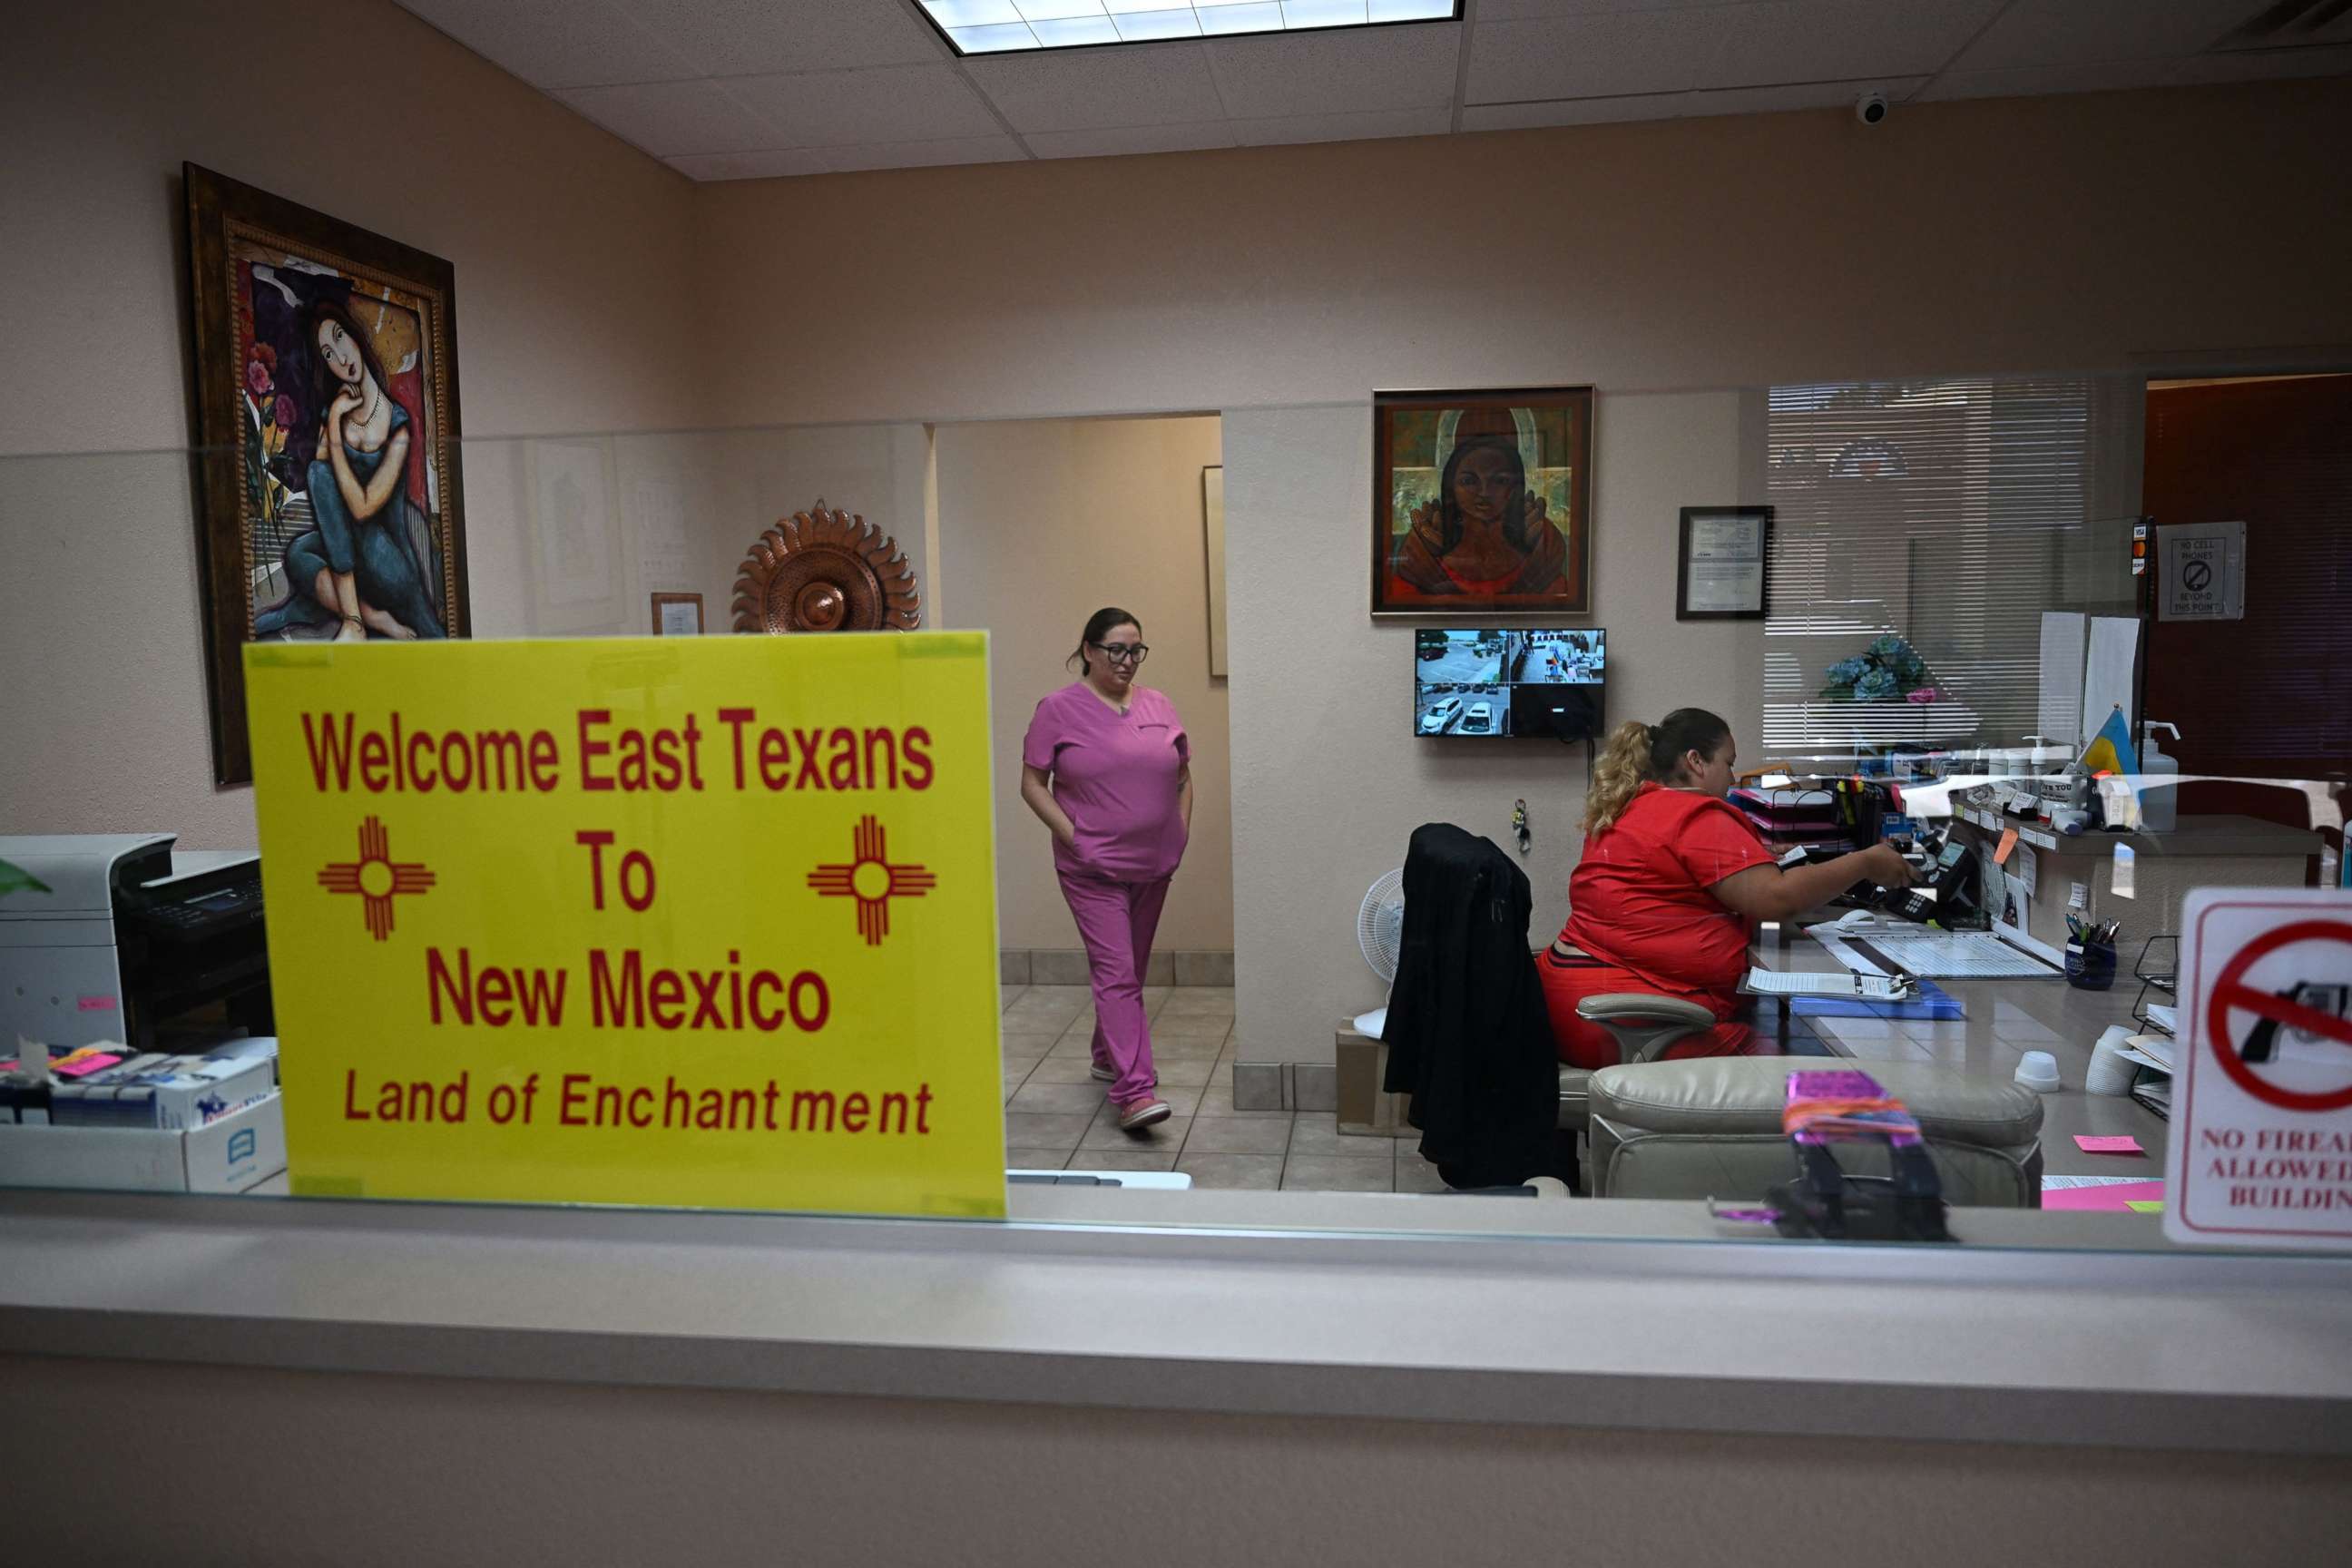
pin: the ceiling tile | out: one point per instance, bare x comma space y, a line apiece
1803, 95
891, 103
1586, 57
1120, 140
1842, 41
749, 165
556, 43
1783, 99
996, 149
2036, 80
1084, 89
667, 118
1336, 73
1682, 105
2258, 65
1569, 111
755, 37
1284, 130
2083, 32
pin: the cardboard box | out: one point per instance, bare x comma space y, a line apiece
174, 1092
1364, 1110
233, 1154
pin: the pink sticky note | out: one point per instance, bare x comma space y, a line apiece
82, 1067
2118, 1197
2123, 1144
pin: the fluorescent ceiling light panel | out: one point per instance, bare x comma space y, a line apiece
1058, 10
1324, 13
1141, 26
992, 26
975, 13
1241, 16
992, 40
1076, 30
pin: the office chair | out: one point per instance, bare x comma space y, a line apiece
1644, 1024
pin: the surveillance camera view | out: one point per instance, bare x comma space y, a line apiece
1556, 658
1464, 680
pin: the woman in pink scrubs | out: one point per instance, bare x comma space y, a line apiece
1106, 766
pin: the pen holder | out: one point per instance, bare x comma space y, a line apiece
2090, 965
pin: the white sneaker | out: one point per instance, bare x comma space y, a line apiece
1139, 1114
1108, 1075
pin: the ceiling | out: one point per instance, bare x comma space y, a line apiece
730, 90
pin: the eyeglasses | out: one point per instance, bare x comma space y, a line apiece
1121, 652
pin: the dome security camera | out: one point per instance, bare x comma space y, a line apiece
1870, 108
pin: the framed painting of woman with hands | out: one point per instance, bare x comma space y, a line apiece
1482, 502
327, 397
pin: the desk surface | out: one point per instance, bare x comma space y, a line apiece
2005, 1019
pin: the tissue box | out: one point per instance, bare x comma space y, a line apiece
174, 1093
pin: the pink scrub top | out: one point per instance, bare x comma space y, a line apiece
1116, 777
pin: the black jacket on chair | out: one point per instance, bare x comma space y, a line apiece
1468, 1034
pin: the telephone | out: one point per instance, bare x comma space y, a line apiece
1949, 876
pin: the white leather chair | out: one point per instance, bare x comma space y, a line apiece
1644, 1024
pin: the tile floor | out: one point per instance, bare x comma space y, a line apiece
1055, 1117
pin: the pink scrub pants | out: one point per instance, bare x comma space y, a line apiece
1116, 923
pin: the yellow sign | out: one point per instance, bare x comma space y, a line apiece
707, 922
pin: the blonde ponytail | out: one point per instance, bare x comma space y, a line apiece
1641, 753
1624, 767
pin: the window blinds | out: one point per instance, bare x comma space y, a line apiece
1949, 514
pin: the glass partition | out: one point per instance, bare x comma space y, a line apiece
1962, 653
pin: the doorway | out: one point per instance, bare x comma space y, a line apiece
2262, 696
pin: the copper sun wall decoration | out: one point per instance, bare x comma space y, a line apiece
822, 571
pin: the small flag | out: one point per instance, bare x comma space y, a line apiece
2110, 750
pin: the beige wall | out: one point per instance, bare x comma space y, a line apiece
1328, 779
1041, 524
1999, 235
573, 257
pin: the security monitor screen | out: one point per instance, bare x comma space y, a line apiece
1509, 682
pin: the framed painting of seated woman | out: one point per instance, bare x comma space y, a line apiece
326, 373
1482, 502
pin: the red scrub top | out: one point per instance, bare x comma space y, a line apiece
1639, 898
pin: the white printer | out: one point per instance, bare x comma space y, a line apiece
127, 936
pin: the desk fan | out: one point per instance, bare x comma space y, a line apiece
1379, 931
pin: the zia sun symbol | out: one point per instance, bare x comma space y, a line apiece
375, 877
872, 881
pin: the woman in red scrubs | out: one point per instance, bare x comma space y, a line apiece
1671, 883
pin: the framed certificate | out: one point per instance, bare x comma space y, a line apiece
677, 615
1722, 561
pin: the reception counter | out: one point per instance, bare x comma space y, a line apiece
1161, 1377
